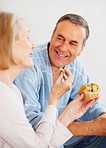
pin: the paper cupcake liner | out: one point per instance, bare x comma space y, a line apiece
91, 95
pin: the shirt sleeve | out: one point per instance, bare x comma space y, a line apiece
49, 131
33, 113
46, 126
60, 135
15, 128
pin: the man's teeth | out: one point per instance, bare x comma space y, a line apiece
60, 55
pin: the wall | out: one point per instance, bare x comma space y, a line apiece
40, 17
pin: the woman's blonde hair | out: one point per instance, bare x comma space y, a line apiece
9, 31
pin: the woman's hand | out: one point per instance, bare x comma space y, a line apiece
75, 109
60, 88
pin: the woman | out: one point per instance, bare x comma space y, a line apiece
15, 130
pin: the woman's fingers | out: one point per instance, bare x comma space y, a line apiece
91, 102
94, 101
67, 79
68, 74
80, 97
64, 78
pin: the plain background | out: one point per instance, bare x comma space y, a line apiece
40, 16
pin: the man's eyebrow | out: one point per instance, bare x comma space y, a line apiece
60, 35
74, 42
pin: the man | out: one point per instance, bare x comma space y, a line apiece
67, 42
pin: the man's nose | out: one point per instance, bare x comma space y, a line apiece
65, 46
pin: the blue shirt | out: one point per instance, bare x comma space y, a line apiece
35, 84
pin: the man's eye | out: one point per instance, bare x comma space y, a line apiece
59, 38
73, 44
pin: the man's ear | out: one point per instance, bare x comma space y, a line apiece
51, 38
81, 50
52, 35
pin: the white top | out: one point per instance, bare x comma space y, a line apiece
15, 130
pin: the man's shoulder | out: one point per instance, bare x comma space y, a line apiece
40, 55
77, 69
76, 64
40, 48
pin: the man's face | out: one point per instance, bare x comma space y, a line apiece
66, 43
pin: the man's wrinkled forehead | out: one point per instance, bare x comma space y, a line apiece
69, 29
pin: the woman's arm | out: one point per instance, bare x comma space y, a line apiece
21, 133
60, 88
64, 124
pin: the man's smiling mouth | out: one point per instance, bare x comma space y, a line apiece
61, 55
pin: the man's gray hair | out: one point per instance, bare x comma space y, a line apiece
75, 19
